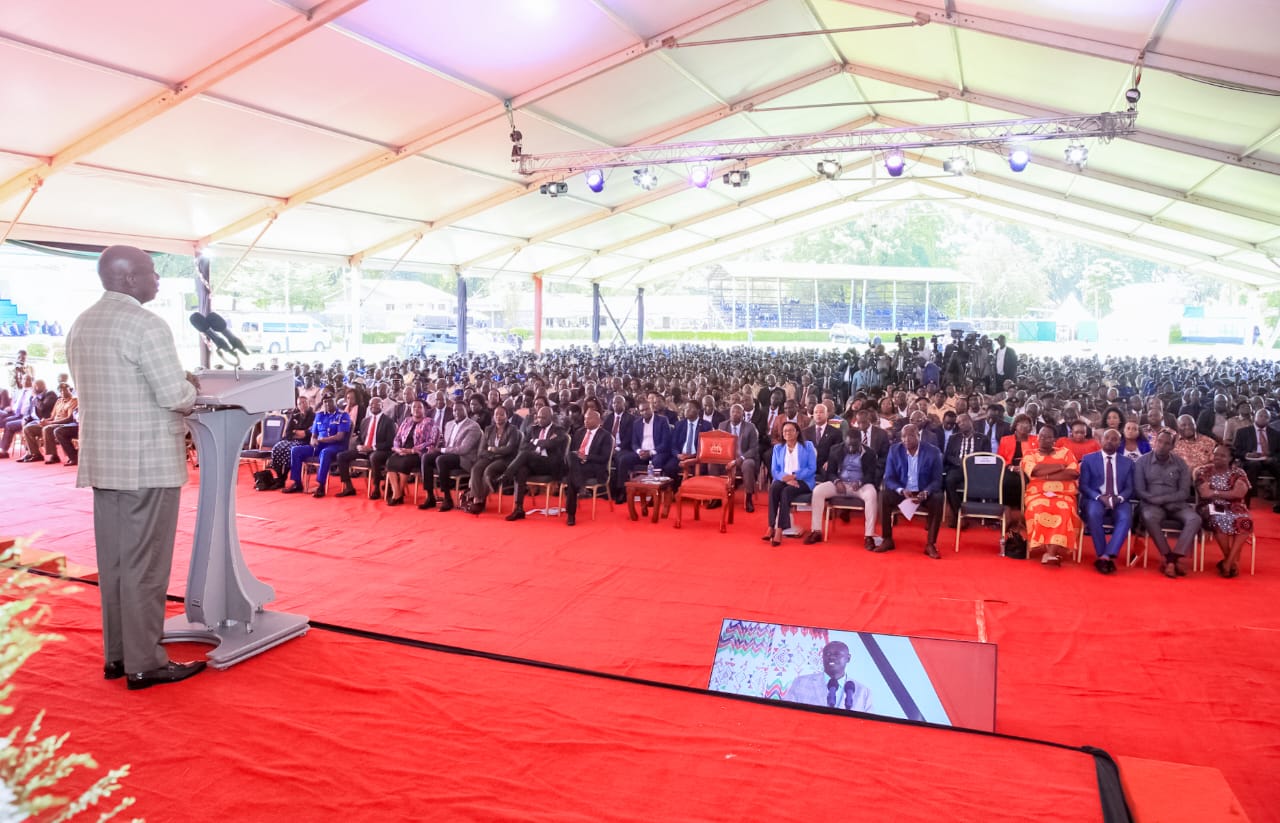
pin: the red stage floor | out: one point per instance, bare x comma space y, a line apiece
1180, 671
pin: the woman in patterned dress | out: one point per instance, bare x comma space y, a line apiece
1222, 489
1051, 500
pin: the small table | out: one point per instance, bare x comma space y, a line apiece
652, 491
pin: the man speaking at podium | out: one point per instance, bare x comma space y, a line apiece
133, 394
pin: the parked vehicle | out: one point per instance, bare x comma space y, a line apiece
849, 333
275, 333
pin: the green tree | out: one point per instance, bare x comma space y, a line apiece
1097, 281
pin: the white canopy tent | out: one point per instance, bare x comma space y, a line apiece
374, 130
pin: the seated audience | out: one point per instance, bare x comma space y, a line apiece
1050, 502
373, 442
794, 466
498, 448
1162, 483
913, 473
329, 435
849, 470
542, 453
1106, 489
1222, 489
414, 436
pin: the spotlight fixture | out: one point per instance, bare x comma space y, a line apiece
1018, 159
1132, 96
1077, 155
737, 178
645, 178
956, 165
895, 163
517, 150
829, 169
700, 176
595, 180
554, 189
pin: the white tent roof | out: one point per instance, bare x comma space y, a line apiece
365, 129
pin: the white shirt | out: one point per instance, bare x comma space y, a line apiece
646, 440
1000, 352
1115, 473
791, 460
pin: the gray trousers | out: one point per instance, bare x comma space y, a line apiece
134, 532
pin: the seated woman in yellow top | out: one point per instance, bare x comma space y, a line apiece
1051, 501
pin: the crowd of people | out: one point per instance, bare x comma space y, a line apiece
1195, 435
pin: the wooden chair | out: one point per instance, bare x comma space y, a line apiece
715, 448
597, 487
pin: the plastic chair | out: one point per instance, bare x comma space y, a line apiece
982, 494
595, 487
840, 503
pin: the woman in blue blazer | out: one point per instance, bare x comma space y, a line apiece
794, 464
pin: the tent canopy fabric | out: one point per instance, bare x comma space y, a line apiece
374, 130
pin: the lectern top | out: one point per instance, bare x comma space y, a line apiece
252, 390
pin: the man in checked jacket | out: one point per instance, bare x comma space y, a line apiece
133, 395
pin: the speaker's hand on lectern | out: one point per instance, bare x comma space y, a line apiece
193, 380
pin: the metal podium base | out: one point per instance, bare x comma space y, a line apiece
237, 642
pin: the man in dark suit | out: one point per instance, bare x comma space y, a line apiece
541, 453
1006, 362
620, 424
748, 459
1257, 447
710, 413
963, 443
373, 442
650, 441
913, 472
1106, 487
589, 450
684, 441
459, 450
995, 428
873, 437
822, 434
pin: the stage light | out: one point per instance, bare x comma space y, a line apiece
829, 169
645, 179
700, 176
895, 163
554, 189
1018, 159
595, 180
1077, 155
956, 165
737, 178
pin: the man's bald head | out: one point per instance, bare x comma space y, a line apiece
130, 271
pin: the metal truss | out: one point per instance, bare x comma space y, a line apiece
992, 134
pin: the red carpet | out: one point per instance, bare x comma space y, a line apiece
1183, 671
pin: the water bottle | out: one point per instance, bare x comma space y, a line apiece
650, 470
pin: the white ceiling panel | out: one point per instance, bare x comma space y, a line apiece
343, 232
506, 46
667, 243
683, 205
606, 232
648, 19
1228, 225
1241, 34
1252, 189
455, 246
737, 220
335, 80
1170, 169
208, 142
1216, 116
529, 215
1037, 75
540, 256
145, 35
33, 96
618, 106
927, 50
734, 71
1123, 22
416, 188
805, 198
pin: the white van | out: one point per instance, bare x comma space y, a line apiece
275, 333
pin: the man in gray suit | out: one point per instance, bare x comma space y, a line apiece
133, 395
830, 687
460, 450
748, 451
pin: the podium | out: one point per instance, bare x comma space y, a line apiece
224, 600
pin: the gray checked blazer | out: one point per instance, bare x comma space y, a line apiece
133, 392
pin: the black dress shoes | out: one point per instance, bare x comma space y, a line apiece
27, 459
870, 543
750, 505
812, 537
446, 506
171, 673
113, 670
885, 546
347, 492
292, 490
429, 503
518, 514
571, 521
932, 551
318, 492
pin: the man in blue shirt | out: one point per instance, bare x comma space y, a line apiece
329, 435
913, 472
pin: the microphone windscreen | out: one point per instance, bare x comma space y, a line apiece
216, 322
200, 322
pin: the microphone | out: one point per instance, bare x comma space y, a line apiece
218, 324
201, 324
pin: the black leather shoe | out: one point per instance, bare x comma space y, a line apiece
1111, 565
932, 551
291, 490
171, 673
812, 537
1101, 565
750, 505
518, 514
714, 504
375, 493
870, 543
571, 521
318, 492
51, 460
113, 670
429, 503
885, 546
446, 506
27, 459
347, 492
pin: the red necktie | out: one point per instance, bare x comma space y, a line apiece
586, 441
373, 425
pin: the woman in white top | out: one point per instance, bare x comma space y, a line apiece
794, 465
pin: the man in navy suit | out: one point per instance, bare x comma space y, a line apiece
1106, 487
996, 428
589, 450
620, 424
684, 441
650, 442
913, 472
